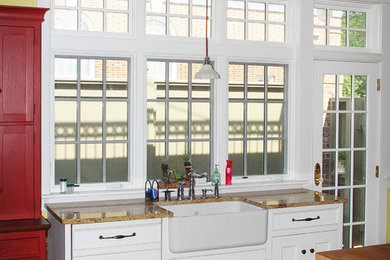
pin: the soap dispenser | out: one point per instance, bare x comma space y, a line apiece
215, 176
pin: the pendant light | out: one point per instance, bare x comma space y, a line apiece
207, 71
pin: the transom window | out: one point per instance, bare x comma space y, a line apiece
92, 15
256, 21
179, 125
91, 119
257, 118
184, 18
338, 27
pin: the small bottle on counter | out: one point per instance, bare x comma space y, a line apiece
70, 187
228, 172
215, 176
63, 183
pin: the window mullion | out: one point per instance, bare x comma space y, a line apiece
285, 116
347, 30
104, 123
189, 113
265, 144
336, 183
266, 22
166, 108
189, 19
78, 15
78, 150
245, 142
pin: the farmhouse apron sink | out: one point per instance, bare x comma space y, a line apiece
215, 225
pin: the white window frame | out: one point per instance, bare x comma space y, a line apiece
266, 21
190, 17
142, 47
245, 101
189, 100
372, 26
104, 33
103, 185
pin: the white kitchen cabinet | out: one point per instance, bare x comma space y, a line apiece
290, 230
142, 255
119, 240
298, 233
305, 246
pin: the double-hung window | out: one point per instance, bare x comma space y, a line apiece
91, 119
257, 118
179, 121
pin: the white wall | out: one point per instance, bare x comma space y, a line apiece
384, 182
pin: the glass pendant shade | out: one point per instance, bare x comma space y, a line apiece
207, 71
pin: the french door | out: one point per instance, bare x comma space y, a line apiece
346, 142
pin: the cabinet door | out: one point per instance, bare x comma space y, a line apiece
288, 247
16, 74
16, 172
304, 247
323, 241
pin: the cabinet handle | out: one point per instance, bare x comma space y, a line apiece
303, 251
118, 236
305, 219
311, 250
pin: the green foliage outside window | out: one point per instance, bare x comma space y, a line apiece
360, 86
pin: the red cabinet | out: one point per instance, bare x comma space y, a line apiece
22, 229
17, 166
16, 74
22, 245
23, 239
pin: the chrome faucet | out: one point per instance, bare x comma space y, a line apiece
191, 191
204, 193
180, 190
193, 175
216, 189
207, 175
167, 191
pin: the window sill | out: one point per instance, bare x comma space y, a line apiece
239, 186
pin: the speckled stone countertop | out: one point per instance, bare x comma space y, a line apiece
119, 210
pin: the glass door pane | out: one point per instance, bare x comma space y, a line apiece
344, 149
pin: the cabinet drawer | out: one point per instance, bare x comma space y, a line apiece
22, 245
19, 248
142, 255
303, 217
127, 233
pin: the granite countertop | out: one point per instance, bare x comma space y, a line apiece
118, 210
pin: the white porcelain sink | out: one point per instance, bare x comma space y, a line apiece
215, 225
